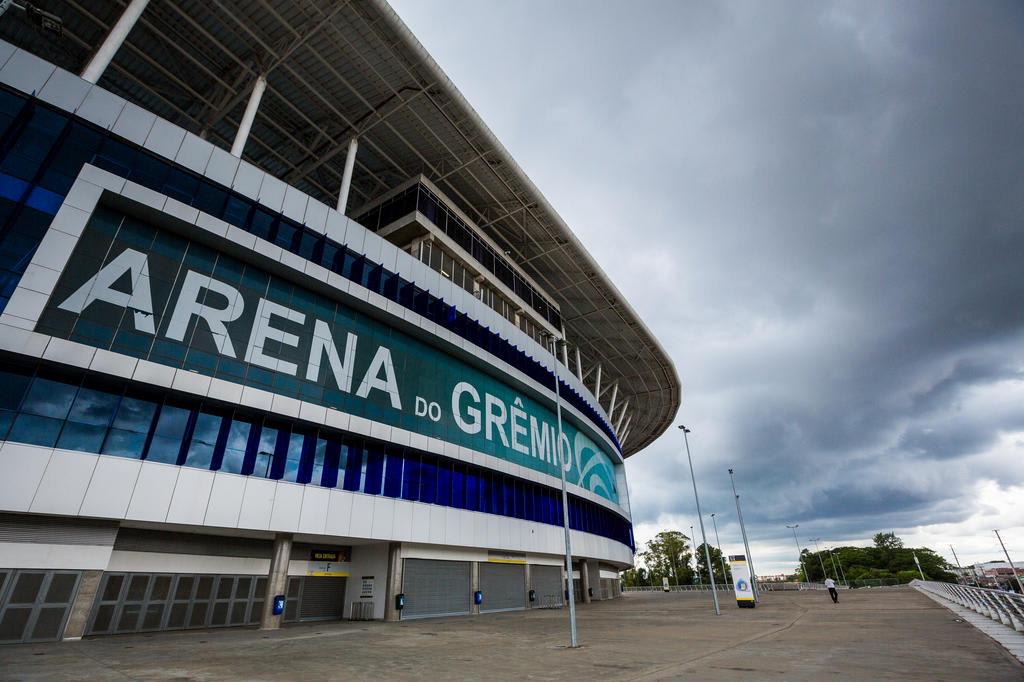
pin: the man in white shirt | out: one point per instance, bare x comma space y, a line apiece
831, 585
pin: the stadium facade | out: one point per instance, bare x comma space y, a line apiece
280, 316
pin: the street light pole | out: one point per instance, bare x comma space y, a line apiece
718, 541
746, 545
1010, 561
565, 497
799, 554
700, 518
696, 565
958, 566
818, 552
833, 558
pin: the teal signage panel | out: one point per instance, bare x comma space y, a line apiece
135, 289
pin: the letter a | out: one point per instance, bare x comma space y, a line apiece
100, 288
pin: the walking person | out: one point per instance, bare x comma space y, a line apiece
831, 585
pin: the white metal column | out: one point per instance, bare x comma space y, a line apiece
112, 43
249, 116
346, 176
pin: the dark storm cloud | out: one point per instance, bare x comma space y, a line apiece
818, 208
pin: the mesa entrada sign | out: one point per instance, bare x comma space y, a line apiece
158, 296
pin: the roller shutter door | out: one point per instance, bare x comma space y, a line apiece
323, 598
504, 587
547, 584
435, 588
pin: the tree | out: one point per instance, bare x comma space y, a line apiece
668, 555
887, 542
716, 564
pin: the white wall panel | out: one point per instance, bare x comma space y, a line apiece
420, 522
361, 523
383, 518
23, 467
315, 507
287, 506
257, 503
339, 513
41, 555
26, 72
64, 90
401, 527
64, 483
110, 490
436, 524
153, 490
191, 496
225, 500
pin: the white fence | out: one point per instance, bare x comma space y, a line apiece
764, 587
1004, 607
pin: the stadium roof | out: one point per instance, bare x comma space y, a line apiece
339, 68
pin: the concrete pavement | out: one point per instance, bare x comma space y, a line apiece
894, 634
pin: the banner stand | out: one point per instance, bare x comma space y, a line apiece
741, 581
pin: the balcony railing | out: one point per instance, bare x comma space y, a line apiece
1004, 607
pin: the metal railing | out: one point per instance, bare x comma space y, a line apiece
1005, 607
764, 587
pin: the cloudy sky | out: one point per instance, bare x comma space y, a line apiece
818, 208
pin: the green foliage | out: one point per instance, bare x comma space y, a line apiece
887, 559
716, 564
668, 555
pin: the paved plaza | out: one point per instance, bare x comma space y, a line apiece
891, 634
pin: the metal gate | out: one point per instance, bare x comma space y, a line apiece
435, 588
547, 586
504, 587
323, 598
34, 605
142, 602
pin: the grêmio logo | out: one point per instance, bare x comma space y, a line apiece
193, 302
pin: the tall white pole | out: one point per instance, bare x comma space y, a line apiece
249, 116
700, 517
346, 175
695, 565
718, 541
565, 497
833, 558
1010, 561
114, 40
799, 555
817, 551
746, 545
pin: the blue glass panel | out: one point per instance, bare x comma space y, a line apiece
267, 446
49, 398
374, 471
444, 483
428, 479
204, 440
127, 437
36, 430
88, 420
332, 464
458, 485
167, 436
353, 466
411, 476
393, 473
235, 446
293, 457
472, 489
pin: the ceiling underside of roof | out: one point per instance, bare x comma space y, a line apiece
350, 67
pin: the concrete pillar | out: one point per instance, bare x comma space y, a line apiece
242, 136
277, 580
88, 586
474, 586
114, 40
346, 175
584, 581
394, 587
526, 576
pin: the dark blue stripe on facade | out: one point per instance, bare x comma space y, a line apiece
77, 411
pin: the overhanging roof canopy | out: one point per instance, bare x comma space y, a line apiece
338, 68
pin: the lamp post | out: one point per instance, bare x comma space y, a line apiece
696, 566
718, 541
700, 518
565, 496
799, 555
1010, 561
818, 552
746, 545
959, 568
